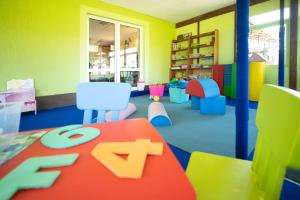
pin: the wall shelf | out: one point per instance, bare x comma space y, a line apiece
180, 59
203, 57
202, 46
182, 40
204, 34
177, 69
211, 46
177, 50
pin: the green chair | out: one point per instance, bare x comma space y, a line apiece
277, 147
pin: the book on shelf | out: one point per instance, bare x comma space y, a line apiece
178, 57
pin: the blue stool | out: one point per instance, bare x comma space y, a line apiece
213, 105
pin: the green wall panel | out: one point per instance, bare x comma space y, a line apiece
233, 82
227, 90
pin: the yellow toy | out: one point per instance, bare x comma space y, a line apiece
179, 75
256, 79
156, 98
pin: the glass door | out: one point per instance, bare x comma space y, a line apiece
129, 60
101, 51
114, 52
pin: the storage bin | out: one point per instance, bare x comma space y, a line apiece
156, 90
10, 114
178, 95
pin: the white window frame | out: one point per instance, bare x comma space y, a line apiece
117, 48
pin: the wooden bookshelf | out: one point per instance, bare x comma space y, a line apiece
184, 49
191, 53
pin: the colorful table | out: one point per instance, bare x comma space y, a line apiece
87, 178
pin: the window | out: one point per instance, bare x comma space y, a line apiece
273, 16
264, 35
265, 42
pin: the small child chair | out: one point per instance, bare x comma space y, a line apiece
102, 97
278, 147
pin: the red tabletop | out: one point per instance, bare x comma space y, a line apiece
163, 177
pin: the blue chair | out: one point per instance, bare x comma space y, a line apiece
102, 97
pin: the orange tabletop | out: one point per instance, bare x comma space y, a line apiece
163, 178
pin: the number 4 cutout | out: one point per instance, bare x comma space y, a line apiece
137, 152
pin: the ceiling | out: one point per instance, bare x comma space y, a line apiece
172, 10
102, 33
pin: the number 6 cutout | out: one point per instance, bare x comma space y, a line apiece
61, 138
137, 152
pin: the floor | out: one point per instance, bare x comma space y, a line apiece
190, 130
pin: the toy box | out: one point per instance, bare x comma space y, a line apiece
156, 90
178, 95
10, 114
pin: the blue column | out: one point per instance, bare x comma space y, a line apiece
242, 103
281, 46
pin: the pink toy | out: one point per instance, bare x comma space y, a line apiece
156, 90
131, 108
22, 91
184, 66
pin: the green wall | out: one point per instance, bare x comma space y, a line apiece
43, 40
191, 28
225, 25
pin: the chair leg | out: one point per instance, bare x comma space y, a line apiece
115, 115
101, 116
87, 116
35, 108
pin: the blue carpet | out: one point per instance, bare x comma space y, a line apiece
231, 102
51, 118
290, 191
194, 132
190, 130
182, 156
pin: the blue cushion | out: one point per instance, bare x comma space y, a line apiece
227, 79
214, 105
210, 87
228, 69
160, 120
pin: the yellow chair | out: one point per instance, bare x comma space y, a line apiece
277, 147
